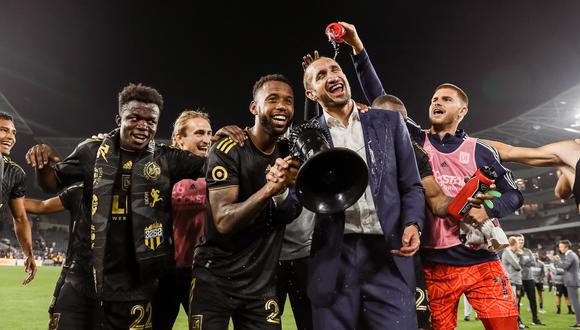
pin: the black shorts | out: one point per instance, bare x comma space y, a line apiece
211, 307
74, 310
561, 290
421, 297
540, 287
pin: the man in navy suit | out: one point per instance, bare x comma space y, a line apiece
361, 270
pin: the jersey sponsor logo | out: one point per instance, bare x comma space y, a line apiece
196, 322
94, 204
444, 164
151, 198
226, 145
219, 173
103, 151
152, 171
464, 157
153, 235
97, 175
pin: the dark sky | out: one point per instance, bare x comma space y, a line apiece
62, 63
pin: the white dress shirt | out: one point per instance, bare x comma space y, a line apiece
361, 217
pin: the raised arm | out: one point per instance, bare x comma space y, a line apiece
554, 154
47, 206
24, 235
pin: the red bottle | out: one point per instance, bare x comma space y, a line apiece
335, 32
479, 182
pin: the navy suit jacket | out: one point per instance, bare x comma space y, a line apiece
397, 193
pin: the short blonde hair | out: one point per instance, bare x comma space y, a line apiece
180, 123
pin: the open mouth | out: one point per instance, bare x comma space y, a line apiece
140, 138
7, 143
279, 119
203, 149
336, 89
438, 112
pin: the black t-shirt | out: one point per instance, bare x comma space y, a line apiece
13, 185
80, 166
243, 262
422, 159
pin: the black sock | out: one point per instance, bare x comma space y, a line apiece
569, 308
541, 306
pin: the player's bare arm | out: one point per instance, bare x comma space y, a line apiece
36, 206
24, 235
554, 154
563, 187
40, 157
434, 196
229, 215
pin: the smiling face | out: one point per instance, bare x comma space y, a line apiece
446, 109
273, 106
7, 136
138, 124
196, 137
326, 83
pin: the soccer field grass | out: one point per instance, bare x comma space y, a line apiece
25, 307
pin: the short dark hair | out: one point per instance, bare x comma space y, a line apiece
388, 98
5, 116
462, 94
269, 77
566, 242
139, 93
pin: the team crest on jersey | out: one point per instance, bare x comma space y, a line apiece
103, 151
53, 322
151, 198
97, 175
196, 322
154, 235
94, 204
219, 173
152, 171
464, 157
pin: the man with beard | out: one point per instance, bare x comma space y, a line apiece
128, 180
78, 249
359, 254
13, 189
234, 267
453, 155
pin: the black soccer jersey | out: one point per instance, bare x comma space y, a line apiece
80, 166
78, 255
243, 262
13, 185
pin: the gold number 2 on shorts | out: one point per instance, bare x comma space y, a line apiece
142, 312
274, 316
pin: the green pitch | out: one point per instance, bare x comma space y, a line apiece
25, 307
